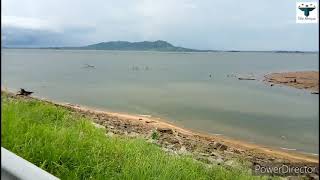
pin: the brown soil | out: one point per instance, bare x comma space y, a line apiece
302, 80
209, 148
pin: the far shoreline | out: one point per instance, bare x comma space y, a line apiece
160, 51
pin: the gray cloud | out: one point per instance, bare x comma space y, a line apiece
206, 24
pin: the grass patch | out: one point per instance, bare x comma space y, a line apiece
70, 147
155, 135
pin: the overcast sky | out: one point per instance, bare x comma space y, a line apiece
200, 24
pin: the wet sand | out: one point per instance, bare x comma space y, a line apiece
216, 149
308, 80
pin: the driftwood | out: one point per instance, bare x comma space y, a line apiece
23, 92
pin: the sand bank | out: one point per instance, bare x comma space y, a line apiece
308, 80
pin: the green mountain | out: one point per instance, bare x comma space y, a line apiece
136, 46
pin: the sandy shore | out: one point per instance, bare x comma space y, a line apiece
308, 80
212, 149
233, 146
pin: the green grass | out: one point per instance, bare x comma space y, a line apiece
70, 147
155, 135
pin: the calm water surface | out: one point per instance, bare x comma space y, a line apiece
177, 87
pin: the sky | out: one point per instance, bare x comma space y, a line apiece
205, 24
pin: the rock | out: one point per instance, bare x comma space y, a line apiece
215, 154
173, 141
182, 150
228, 152
98, 126
133, 134
272, 159
215, 161
220, 147
313, 176
204, 159
169, 150
152, 141
237, 151
165, 130
211, 144
110, 134
170, 146
218, 161
293, 178
204, 154
231, 163
223, 147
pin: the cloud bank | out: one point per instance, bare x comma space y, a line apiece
206, 24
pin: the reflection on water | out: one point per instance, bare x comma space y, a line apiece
195, 90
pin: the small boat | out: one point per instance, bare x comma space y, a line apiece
246, 78
89, 66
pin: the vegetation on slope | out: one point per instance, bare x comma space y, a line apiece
70, 147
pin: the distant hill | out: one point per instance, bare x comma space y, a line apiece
135, 46
159, 45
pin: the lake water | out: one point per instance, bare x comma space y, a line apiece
178, 87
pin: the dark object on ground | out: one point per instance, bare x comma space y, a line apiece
165, 130
220, 147
315, 92
23, 92
246, 78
